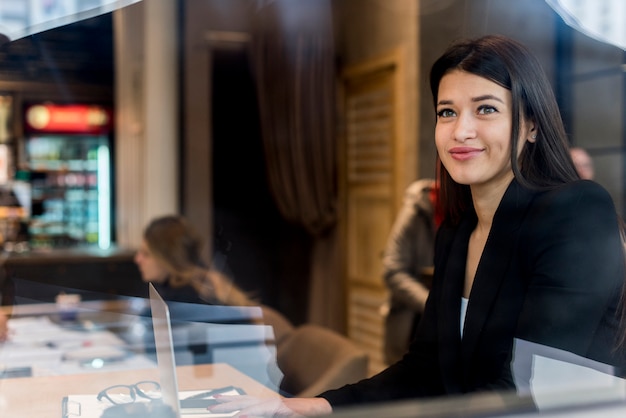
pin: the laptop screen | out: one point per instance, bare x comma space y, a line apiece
164, 350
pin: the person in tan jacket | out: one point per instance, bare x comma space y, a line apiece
4, 328
409, 250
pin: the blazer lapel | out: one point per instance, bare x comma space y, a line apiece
493, 264
453, 279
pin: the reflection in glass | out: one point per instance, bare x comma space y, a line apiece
19, 18
599, 19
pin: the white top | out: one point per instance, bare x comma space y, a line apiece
464, 303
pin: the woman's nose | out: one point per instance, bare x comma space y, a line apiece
465, 128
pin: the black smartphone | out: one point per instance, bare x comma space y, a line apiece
16, 372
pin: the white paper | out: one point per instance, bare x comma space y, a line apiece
88, 406
51, 349
556, 378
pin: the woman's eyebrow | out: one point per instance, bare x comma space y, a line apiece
474, 99
487, 97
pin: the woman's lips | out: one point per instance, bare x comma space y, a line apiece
464, 153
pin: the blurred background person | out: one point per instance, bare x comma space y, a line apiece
583, 163
170, 257
4, 328
408, 254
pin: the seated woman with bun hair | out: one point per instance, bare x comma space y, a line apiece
170, 257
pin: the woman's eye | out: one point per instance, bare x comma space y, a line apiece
486, 110
445, 113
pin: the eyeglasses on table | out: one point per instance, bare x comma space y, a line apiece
124, 394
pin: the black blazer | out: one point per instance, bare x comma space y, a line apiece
551, 273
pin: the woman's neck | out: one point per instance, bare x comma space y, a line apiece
486, 200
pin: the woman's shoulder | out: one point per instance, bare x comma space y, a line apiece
581, 207
185, 294
581, 187
575, 195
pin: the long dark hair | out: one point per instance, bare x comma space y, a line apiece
544, 164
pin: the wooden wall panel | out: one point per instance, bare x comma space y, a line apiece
372, 146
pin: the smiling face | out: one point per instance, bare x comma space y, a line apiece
473, 132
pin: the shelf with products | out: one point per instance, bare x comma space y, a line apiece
65, 205
66, 150
59, 152
65, 178
46, 240
63, 166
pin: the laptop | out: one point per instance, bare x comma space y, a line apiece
195, 403
167, 364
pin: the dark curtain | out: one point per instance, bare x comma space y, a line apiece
293, 61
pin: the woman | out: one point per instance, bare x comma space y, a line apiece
526, 251
409, 251
170, 257
4, 327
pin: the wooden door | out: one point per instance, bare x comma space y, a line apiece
370, 187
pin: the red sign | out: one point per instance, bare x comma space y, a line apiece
68, 119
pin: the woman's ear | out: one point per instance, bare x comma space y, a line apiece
532, 133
